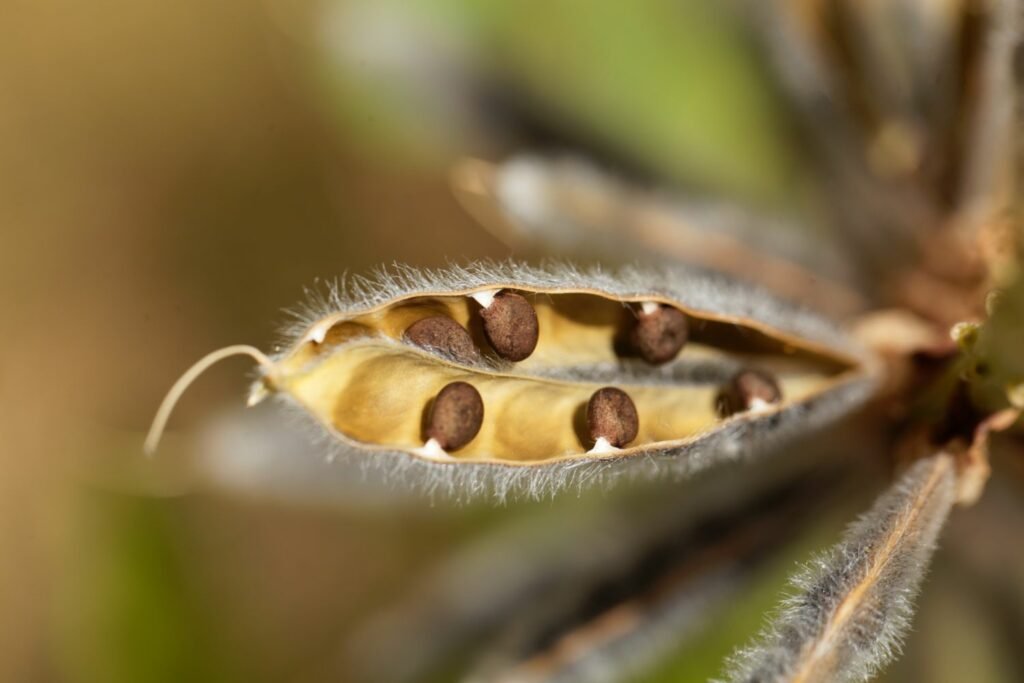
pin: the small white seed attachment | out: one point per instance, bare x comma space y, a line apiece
602, 447
433, 451
485, 298
318, 332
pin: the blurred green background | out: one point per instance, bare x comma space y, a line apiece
172, 174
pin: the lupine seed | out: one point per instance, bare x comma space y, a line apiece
510, 324
456, 416
611, 415
746, 390
659, 333
445, 335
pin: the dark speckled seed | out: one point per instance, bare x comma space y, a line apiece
445, 335
455, 416
611, 414
510, 324
745, 389
659, 335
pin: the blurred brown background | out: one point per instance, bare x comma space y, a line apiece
169, 180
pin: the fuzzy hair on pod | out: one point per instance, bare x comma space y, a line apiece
734, 439
465, 482
853, 604
701, 290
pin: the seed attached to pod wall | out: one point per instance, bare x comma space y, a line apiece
612, 416
456, 416
658, 333
445, 335
510, 324
748, 390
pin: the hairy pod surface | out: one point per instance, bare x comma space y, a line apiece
853, 604
352, 364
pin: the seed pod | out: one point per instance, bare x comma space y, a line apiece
748, 389
443, 334
510, 324
852, 604
611, 415
560, 204
658, 333
349, 368
455, 416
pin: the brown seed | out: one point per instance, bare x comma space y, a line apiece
611, 414
747, 389
443, 334
456, 416
658, 335
510, 324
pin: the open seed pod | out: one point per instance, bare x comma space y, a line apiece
503, 378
